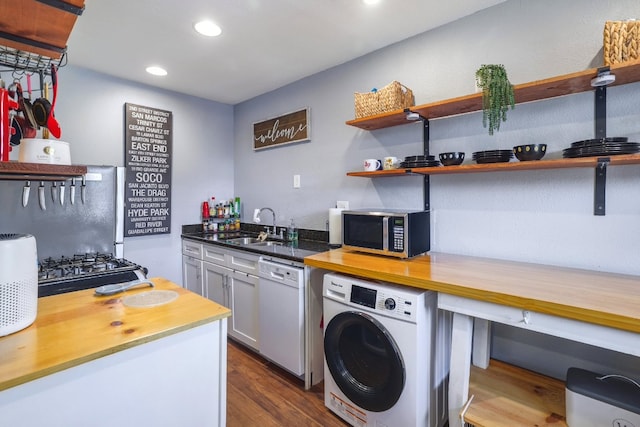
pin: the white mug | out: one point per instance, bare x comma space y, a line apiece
372, 165
390, 163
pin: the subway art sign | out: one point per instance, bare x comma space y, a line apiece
148, 141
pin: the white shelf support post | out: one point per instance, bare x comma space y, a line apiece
461, 341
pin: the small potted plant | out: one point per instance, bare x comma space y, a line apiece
497, 95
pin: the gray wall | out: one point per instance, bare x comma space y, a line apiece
538, 216
90, 109
541, 216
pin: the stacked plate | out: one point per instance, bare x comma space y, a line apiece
492, 156
601, 147
419, 162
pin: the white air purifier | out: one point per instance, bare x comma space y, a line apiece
18, 282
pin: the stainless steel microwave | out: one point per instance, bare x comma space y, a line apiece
397, 233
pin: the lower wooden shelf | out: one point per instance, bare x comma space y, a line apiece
508, 396
581, 162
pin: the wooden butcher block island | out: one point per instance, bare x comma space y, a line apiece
131, 351
596, 308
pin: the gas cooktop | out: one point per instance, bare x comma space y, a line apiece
84, 271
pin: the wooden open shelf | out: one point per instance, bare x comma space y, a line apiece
582, 162
567, 84
507, 396
39, 171
33, 26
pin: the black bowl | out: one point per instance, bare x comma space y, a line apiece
451, 158
530, 152
419, 158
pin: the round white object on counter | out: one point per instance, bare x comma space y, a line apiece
150, 299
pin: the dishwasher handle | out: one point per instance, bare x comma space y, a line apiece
280, 273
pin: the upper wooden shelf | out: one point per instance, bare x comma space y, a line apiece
567, 84
39, 171
37, 27
582, 162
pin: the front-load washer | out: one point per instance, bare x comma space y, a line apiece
386, 353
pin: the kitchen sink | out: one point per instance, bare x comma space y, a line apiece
252, 241
244, 240
267, 243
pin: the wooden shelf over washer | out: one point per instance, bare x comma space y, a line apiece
628, 72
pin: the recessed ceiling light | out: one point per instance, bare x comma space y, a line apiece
156, 71
370, 1
207, 28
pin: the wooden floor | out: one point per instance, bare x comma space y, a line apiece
261, 394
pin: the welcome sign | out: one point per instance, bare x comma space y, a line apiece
285, 129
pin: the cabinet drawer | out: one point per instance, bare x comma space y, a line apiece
192, 248
214, 254
243, 261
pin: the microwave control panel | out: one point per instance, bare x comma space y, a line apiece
397, 234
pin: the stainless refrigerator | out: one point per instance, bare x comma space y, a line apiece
94, 223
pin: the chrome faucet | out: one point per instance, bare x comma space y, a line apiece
274, 220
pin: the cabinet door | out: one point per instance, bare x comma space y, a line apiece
216, 283
192, 274
244, 307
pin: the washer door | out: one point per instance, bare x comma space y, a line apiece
364, 361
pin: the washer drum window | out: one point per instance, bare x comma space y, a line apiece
364, 361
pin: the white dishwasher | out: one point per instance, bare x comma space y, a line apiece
281, 301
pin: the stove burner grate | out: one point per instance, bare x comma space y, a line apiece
83, 271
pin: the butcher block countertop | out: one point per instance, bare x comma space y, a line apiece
595, 297
77, 327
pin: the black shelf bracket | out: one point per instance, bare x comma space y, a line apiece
413, 116
599, 202
64, 6
600, 110
427, 183
33, 43
600, 113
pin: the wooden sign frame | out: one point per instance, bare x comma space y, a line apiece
285, 129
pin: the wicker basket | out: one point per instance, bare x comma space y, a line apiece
393, 96
621, 41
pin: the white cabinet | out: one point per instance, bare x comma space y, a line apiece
229, 278
192, 266
216, 283
243, 298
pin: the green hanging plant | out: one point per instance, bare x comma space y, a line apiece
497, 95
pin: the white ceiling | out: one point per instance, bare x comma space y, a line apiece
265, 44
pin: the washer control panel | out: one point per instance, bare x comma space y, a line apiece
400, 302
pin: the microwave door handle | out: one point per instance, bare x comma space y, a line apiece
385, 233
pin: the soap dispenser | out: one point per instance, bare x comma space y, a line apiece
292, 232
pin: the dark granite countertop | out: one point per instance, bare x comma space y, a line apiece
309, 243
